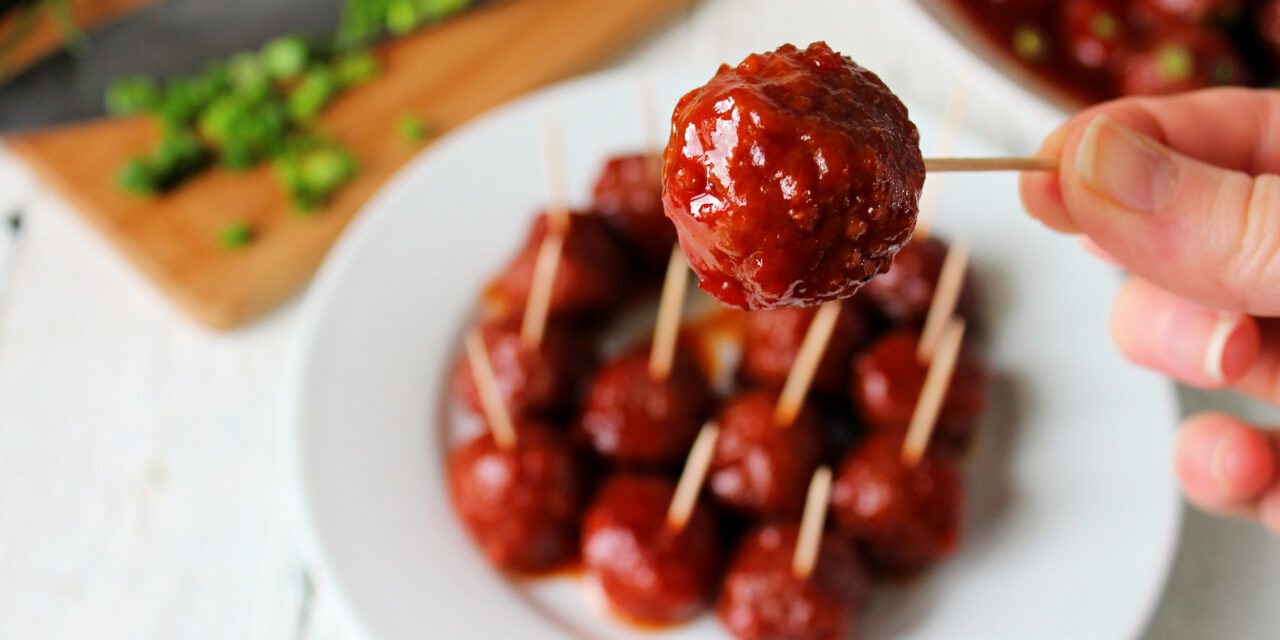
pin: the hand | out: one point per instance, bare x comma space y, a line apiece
1182, 191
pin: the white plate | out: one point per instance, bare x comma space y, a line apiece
1073, 511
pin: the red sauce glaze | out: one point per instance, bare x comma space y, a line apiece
521, 506
904, 518
591, 279
1095, 50
628, 194
760, 468
791, 178
772, 338
763, 600
1268, 21
629, 417
887, 380
1196, 11
649, 573
904, 292
543, 382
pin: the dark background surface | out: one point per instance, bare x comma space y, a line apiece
168, 38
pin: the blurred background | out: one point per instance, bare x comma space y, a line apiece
173, 171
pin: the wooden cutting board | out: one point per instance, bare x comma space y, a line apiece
444, 75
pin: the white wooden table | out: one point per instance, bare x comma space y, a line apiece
142, 490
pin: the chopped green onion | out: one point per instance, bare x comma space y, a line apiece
313, 169
1104, 25
235, 235
411, 128
1224, 71
436, 9
136, 177
1028, 42
311, 95
1174, 63
355, 68
402, 16
286, 57
132, 94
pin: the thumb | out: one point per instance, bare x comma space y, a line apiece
1207, 233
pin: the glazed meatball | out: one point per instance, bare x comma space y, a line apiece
540, 382
629, 417
1267, 22
760, 468
649, 573
887, 380
1182, 59
590, 279
763, 600
521, 506
904, 292
772, 338
791, 178
904, 518
628, 194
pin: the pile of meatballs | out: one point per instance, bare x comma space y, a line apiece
600, 444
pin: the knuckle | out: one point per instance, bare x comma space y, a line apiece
1257, 258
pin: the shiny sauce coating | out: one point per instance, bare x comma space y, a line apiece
760, 468
629, 417
763, 600
888, 379
649, 573
521, 506
904, 518
792, 178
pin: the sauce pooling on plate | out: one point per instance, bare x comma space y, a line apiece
792, 178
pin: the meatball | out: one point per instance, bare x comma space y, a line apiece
648, 572
1094, 31
791, 178
1195, 12
772, 338
540, 382
887, 380
628, 194
1267, 21
760, 468
904, 518
1182, 59
590, 278
904, 293
763, 600
521, 506
629, 417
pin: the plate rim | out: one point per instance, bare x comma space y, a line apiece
315, 553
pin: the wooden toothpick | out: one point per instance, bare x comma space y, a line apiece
547, 262
796, 387
667, 329
952, 118
932, 393
934, 165
495, 411
945, 297
690, 483
809, 540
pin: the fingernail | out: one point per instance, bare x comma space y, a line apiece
1197, 340
1124, 166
